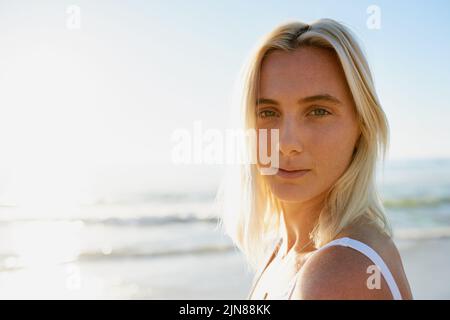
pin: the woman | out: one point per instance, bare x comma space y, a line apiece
316, 229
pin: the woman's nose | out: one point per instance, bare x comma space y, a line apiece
290, 138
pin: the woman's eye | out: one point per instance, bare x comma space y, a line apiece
319, 112
267, 113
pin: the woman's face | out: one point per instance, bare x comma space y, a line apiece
305, 95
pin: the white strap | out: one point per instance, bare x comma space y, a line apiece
372, 255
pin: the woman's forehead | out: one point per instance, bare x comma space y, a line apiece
302, 72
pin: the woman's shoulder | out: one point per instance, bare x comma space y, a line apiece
337, 272
340, 272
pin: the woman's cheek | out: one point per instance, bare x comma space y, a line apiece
332, 150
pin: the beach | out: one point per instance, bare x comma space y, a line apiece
169, 246
207, 275
426, 265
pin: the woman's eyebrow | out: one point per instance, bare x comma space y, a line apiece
317, 97
323, 97
266, 101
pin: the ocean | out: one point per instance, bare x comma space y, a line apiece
169, 246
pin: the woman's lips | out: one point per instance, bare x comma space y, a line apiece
291, 174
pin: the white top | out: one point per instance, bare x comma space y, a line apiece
364, 249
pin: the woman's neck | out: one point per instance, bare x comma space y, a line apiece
298, 221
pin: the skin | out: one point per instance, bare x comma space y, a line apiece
318, 134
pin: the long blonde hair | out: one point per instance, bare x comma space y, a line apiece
250, 213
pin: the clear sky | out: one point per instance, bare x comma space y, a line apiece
97, 105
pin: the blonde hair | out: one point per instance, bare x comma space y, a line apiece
250, 213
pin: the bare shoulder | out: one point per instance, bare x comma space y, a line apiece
339, 273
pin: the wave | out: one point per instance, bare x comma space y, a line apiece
422, 233
151, 221
399, 234
116, 216
417, 202
140, 198
207, 249
144, 221
142, 252
124, 254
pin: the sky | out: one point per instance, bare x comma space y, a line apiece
93, 105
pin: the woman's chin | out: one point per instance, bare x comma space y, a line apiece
290, 193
